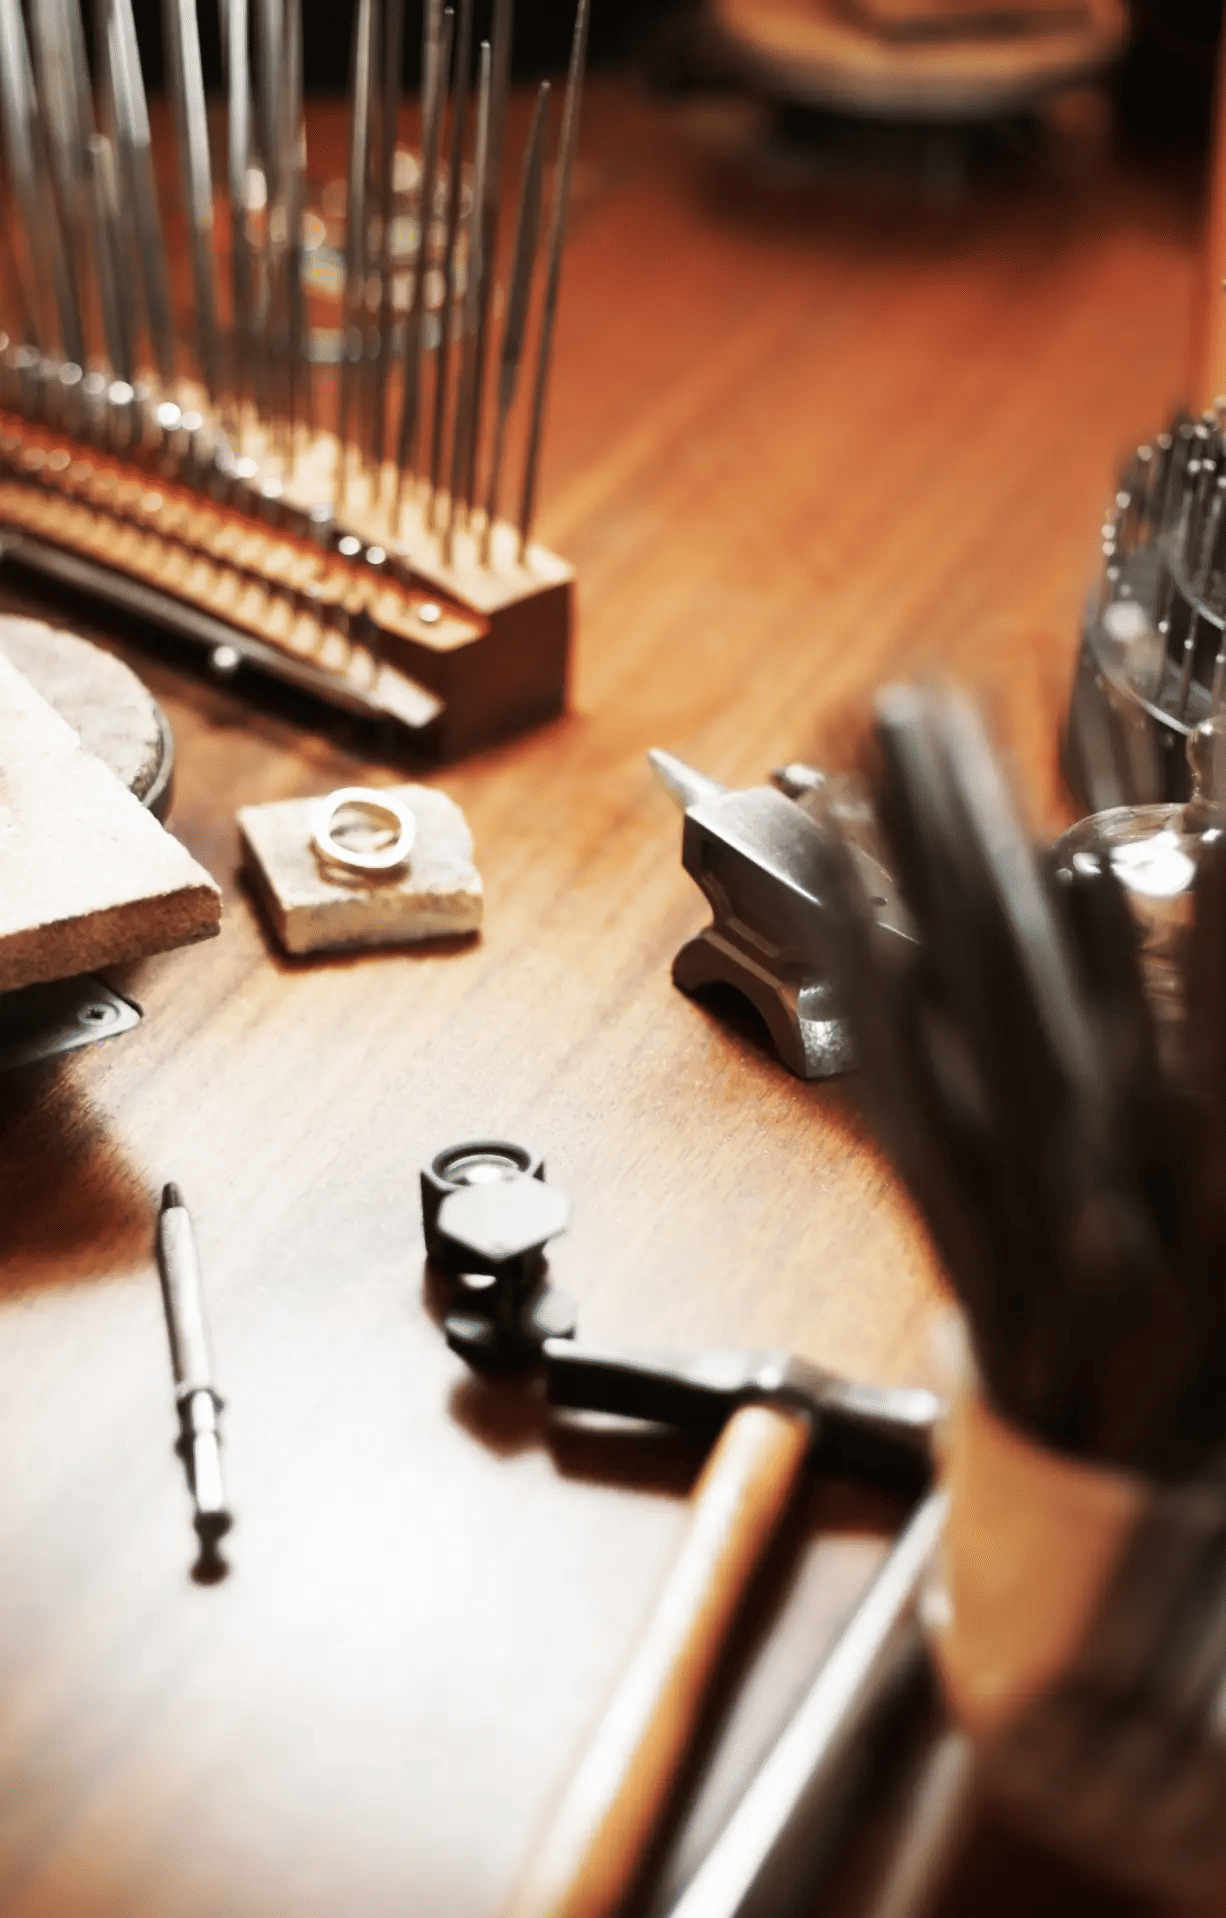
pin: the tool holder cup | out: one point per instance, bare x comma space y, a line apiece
1077, 1616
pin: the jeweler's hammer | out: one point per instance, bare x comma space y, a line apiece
488, 1211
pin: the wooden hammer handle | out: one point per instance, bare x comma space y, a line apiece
595, 1841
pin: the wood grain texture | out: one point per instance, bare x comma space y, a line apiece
800, 439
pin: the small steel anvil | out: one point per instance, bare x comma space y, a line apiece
762, 859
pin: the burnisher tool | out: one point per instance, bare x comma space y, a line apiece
197, 1401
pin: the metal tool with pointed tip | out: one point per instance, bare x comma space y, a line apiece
761, 858
487, 1210
198, 1404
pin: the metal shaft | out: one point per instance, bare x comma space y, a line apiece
191, 121
197, 1401
46, 288
527, 228
139, 185
438, 61
393, 53
238, 153
293, 189
553, 269
442, 357
354, 308
68, 116
491, 204
465, 413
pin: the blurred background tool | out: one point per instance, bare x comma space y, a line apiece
766, 1862
181, 464
921, 59
488, 1211
759, 858
1069, 1167
1152, 664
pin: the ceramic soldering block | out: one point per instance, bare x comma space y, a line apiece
315, 908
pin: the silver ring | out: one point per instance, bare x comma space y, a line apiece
381, 810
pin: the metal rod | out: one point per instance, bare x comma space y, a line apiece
271, 44
68, 115
198, 1403
393, 57
131, 116
354, 304
437, 64
238, 152
191, 120
114, 285
475, 267
500, 76
527, 229
553, 271
293, 186
45, 288
442, 355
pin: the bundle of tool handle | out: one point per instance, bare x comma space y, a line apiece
1075, 1189
359, 558
1152, 664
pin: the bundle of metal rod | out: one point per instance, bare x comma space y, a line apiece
1071, 1180
218, 396
1152, 663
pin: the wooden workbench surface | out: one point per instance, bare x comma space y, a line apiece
802, 438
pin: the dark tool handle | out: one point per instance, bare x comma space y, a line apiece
596, 1840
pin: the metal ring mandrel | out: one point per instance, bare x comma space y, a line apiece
379, 810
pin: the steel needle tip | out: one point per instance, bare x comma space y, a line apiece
687, 786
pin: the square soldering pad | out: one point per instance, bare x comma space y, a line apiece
313, 907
